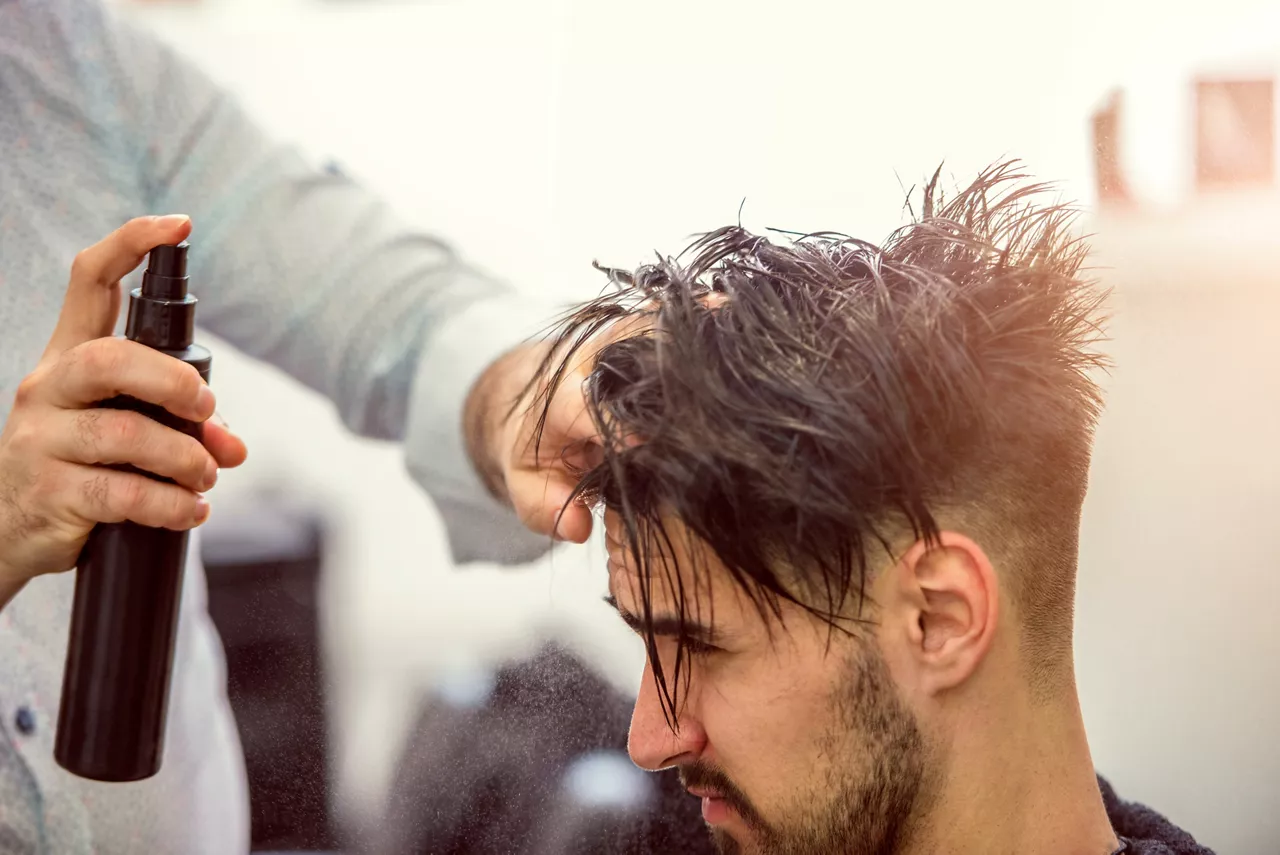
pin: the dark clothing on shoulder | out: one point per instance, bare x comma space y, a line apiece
1145, 832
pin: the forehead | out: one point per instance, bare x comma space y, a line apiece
673, 568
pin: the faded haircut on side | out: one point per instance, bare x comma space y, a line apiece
805, 404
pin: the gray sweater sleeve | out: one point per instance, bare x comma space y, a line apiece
306, 269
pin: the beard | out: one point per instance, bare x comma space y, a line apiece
865, 803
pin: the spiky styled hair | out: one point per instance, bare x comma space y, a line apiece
807, 406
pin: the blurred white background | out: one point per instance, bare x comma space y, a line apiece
540, 136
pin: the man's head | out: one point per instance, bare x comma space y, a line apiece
842, 486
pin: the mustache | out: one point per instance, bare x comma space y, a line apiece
701, 775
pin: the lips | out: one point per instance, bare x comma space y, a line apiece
716, 811
704, 793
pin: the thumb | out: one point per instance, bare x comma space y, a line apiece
92, 303
542, 502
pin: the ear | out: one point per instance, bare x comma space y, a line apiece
948, 600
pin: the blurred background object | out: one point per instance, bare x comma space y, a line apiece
541, 136
536, 763
1109, 181
1235, 133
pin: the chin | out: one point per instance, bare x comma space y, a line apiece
727, 844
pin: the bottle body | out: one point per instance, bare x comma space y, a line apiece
124, 621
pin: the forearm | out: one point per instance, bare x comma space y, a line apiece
310, 271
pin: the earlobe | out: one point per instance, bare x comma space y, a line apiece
953, 585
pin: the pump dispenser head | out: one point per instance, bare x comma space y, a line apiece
166, 276
161, 312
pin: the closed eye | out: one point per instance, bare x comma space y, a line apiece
697, 647
692, 636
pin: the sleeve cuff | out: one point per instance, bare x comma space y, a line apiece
453, 358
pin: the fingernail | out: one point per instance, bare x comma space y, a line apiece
217, 417
202, 509
205, 400
210, 476
172, 221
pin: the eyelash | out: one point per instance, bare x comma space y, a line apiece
698, 648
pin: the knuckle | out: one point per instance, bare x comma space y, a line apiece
38, 488
88, 429
184, 382
195, 458
24, 438
27, 389
82, 264
96, 493
179, 510
529, 513
102, 357
122, 431
131, 495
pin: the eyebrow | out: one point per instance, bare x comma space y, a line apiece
666, 625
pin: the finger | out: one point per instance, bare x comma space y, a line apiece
539, 499
227, 449
568, 423
574, 525
92, 303
569, 420
110, 437
108, 496
106, 367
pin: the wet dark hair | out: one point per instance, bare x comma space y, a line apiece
839, 396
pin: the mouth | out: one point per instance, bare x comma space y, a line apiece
716, 809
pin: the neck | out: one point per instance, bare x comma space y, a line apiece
1020, 782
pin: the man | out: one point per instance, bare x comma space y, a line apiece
843, 487
100, 124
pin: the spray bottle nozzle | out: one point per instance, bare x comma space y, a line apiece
166, 276
161, 312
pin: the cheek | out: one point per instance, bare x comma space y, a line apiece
766, 718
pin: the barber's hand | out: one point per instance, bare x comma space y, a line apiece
55, 446
536, 481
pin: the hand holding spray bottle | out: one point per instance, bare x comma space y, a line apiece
124, 621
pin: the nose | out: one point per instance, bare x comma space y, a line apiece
651, 742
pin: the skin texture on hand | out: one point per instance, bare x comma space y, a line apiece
534, 479
56, 446
535, 464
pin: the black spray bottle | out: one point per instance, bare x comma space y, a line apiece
115, 690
